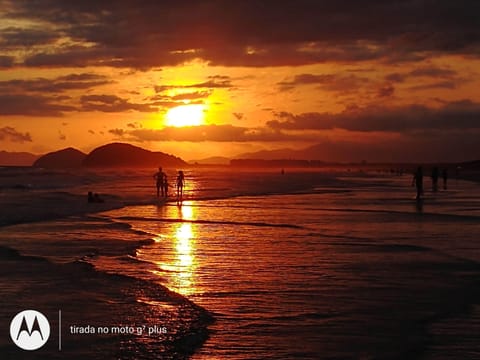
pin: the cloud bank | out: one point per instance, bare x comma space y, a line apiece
240, 33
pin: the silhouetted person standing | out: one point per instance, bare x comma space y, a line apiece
445, 178
180, 185
435, 179
94, 198
165, 185
160, 177
418, 181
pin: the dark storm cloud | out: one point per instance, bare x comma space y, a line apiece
447, 79
31, 105
289, 54
246, 33
424, 72
386, 91
433, 72
456, 115
192, 96
56, 85
396, 77
168, 102
117, 132
218, 133
18, 37
328, 82
212, 82
162, 88
111, 103
134, 125
10, 134
142, 58
164, 102
72, 56
6, 61
442, 78
437, 85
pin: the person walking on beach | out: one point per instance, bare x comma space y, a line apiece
160, 178
435, 179
165, 186
180, 185
418, 181
445, 178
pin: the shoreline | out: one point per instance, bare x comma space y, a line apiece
45, 205
473, 176
88, 297
51, 287
32, 206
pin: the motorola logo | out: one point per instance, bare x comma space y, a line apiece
29, 330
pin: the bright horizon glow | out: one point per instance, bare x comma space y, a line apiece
186, 115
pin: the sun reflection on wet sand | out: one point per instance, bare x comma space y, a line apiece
182, 264
184, 237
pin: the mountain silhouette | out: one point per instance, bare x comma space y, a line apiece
65, 158
276, 154
213, 160
17, 158
126, 155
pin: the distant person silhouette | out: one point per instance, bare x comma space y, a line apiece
180, 185
445, 178
94, 198
419, 206
160, 177
435, 174
165, 185
418, 181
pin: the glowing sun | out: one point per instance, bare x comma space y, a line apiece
185, 115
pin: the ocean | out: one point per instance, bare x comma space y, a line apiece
327, 264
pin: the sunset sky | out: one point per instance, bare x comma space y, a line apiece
377, 80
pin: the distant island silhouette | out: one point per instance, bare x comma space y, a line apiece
17, 158
117, 155
107, 156
65, 158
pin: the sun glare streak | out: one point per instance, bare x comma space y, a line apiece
186, 115
185, 258
184, 245
186, 211
176, 254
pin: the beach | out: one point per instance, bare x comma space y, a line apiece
253, 264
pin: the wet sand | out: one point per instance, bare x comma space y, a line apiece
24, 206
87, 297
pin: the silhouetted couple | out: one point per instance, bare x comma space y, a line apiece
162, 183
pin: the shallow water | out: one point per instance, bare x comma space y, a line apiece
308, 265
300, 276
